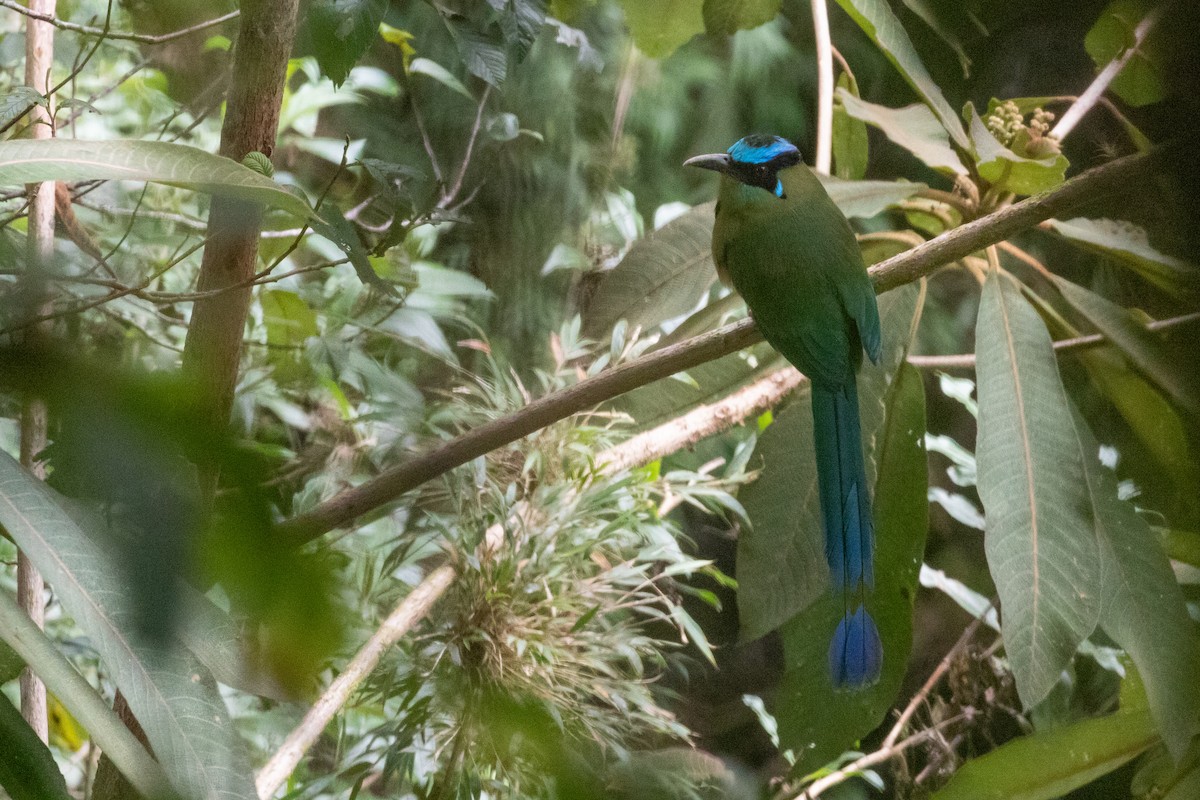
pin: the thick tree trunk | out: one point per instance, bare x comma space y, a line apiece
212, 352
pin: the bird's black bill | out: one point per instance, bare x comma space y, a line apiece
717, 162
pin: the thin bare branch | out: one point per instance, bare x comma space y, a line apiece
824, 155
141, 38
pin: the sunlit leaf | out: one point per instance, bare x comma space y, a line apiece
424, 66
914, 128
1050, 764
659, 27
878, 21
1040, 542
33, 160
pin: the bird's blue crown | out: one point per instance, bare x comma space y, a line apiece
760, 148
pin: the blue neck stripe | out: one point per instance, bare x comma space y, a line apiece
761, 154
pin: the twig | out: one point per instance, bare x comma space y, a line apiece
881, 755
453, 191
141, 38
411, 610
824, 154
1091, 95
344, 507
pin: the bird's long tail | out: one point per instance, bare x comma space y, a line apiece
856, 653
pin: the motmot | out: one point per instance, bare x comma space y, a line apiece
782, 243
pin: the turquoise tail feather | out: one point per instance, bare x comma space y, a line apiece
856, 653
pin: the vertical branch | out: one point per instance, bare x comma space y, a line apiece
824, 155
212, 352
39, 57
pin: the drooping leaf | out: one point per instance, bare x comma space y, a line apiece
727, 17
816, 720
1053, 763
1143, 608
1040, 542
878, 21
781, 567
867, 198
341, 31
662, 276
1005, 169
432, 69
172, 696
33, 160
849, 136
914, 128
1140, 81
1140, 346
659, 27
1129, 244
27, 768
334, 226
484, 57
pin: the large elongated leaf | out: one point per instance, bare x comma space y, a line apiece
1143, 608
33, 160
1040, 542
27, 768
867, 198
659, 27
876, 19
172, 696
662, 276
781, 567
1143, 349
1129, 244
1050, 764
815, 719
914, 128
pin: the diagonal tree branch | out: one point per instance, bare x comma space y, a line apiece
346, 506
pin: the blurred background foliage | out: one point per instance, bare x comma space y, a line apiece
497, 159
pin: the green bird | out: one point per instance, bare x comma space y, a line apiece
786, 248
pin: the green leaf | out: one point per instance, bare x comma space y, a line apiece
1050, 764
914, 128
30, 161
815, 720
930, 16
849, 138
1143, 608
11, 664
1140, 345
662, 276
1140, 81
1129, 244
172, 696
1005, 169
341, 31
16, 102
483, 57
727, 17
659, 27
334, 226
1040, 542
867, 198
27, 768
432, 69
786, 545
288, 319
77, 695
876, 19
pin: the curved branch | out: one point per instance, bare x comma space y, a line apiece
346, 506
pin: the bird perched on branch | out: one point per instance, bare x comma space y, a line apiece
783, 244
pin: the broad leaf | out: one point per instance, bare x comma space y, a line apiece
172, 696
914, 128
30, 161
1050, 764
16, 102
662, 276
849, 137
1143, 608
867, 198
816, 720
727, 17
1005, 169
1143, 349
781, 567
340, 32
27, 768
1040, 543
1129, 244
334, 226
659, 27
876, 19
1140, 82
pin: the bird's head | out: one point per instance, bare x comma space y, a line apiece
754, 160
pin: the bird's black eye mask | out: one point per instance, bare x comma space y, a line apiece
765, 174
